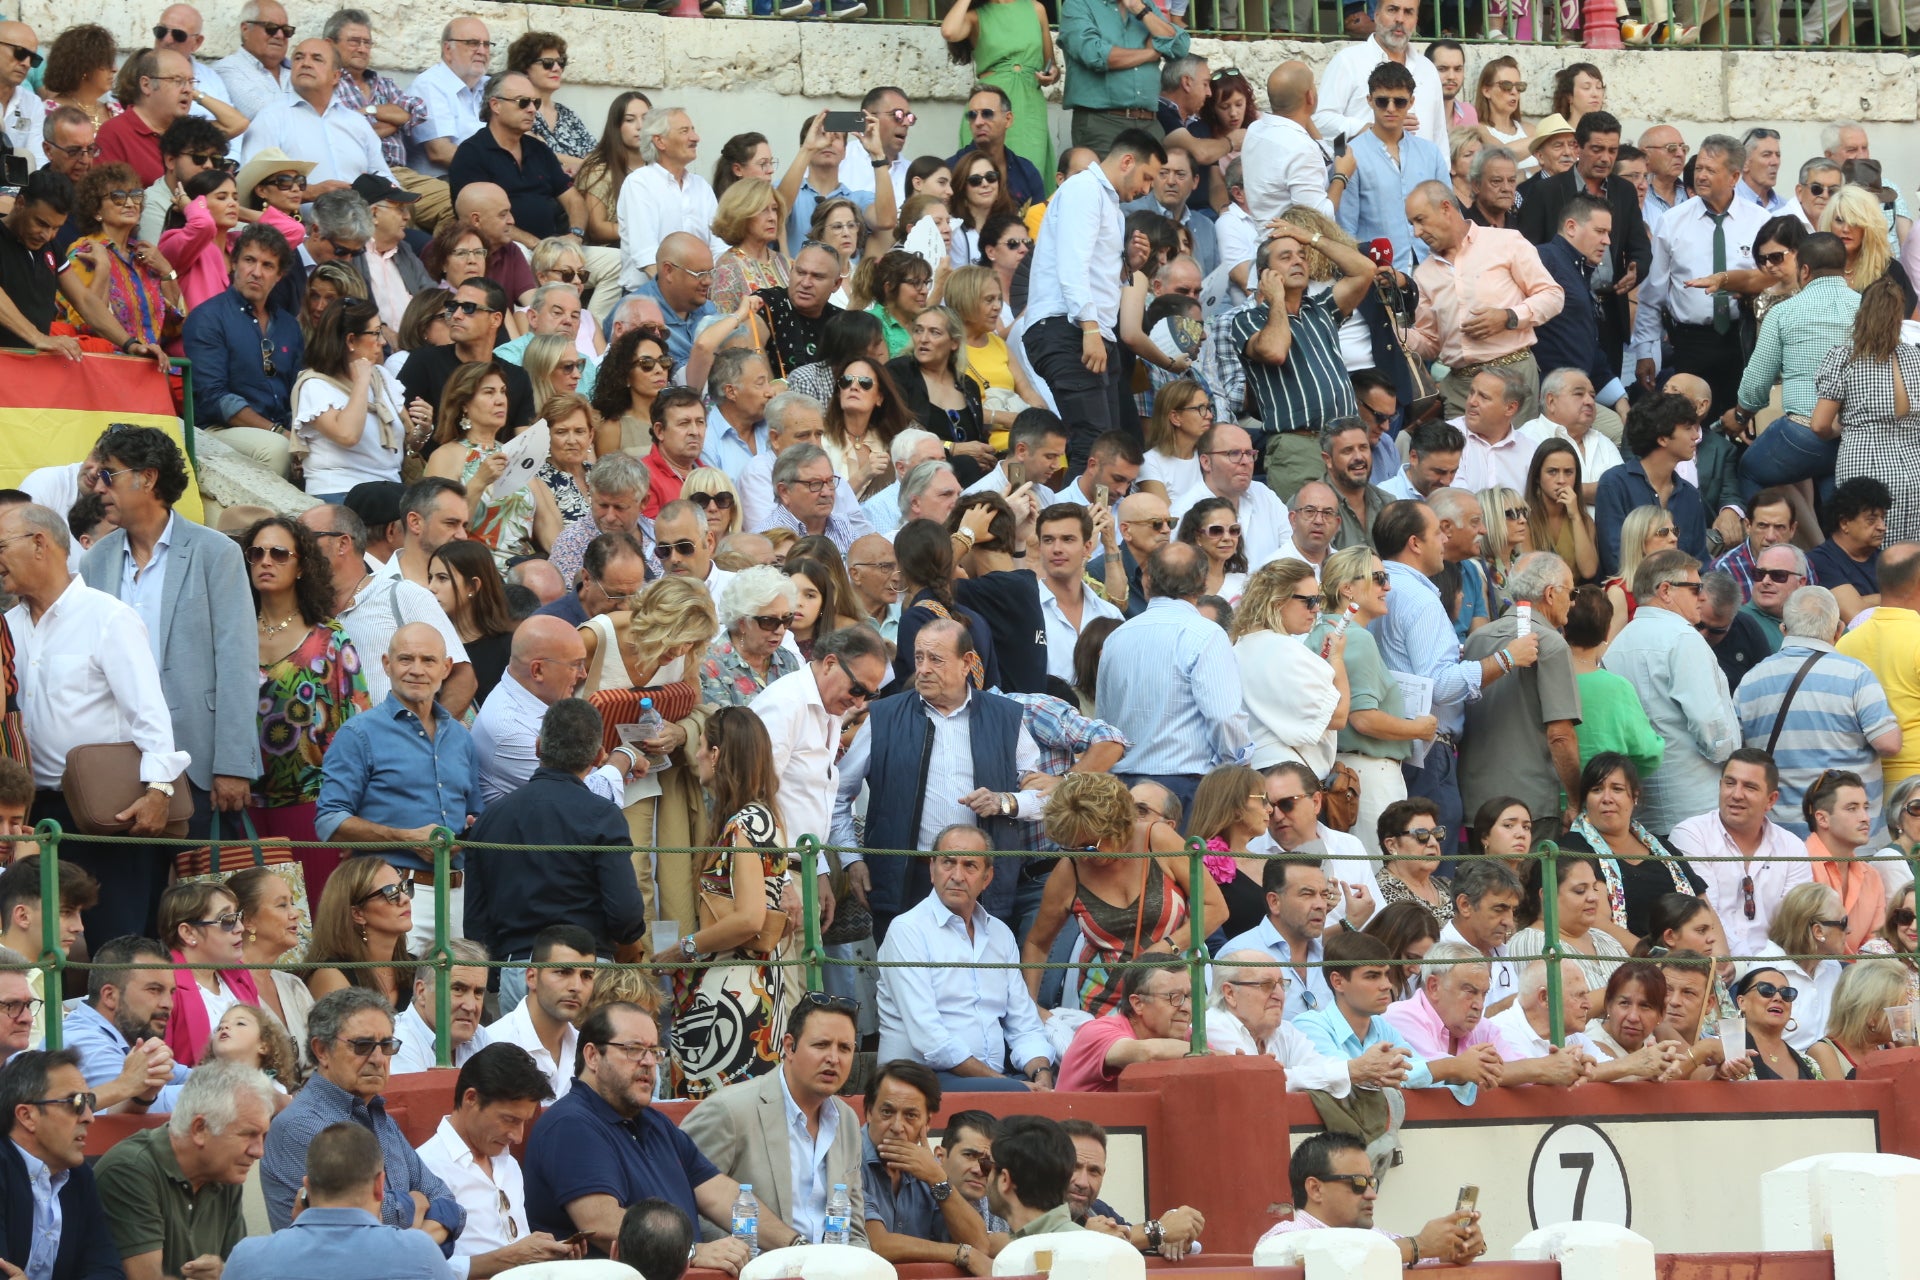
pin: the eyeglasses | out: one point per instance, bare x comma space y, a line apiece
23, 54
1516, 513
14, 1010
687, 271
363, 1046
1221, 530
772, 622
1268, 985
362, 333
1746, 897
188, 81
394, 894
815, 487
1822, 189
474, 44
1776, 576
983, 178
850, 380
469, 308
88, 150
638, 1050
568, 275
272, 28
258, 553
78, 1103
1312, 603
1773, 259
1285, 803
1768, 990
1673, 148
227, 922
174, 34
551, 64
570, 366
683, 549
1392, 101
525, 104
652, 363
1424, 835
1232, 455
104, 478
121, 195
287, 182
1178, 999
1510, 86
1205, 406
983, 113
1358, 1183
724, 501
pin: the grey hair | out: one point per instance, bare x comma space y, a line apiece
60, 116
343, 214
781, 405
333, 1011
1727, 147
1174, 70
1231, 965
1235, 175
786, 468
570, 735
545, 291
1533, 979
1478, 877
619, 473
1533, 573
465, 951
1513, 383
11, 959
918, 480
653, 126
1830, 136
1478, 165
1719, 589
1556, 382
1811, 612
1334, 428
213, 1092
1819, 164
906, 442
1451, 504
751, 590
1799, 556
43, 520
1897, 796
1440, 953
729, 364
340, 19
1659, 569
250, 11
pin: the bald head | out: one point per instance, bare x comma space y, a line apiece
1900, 575
681, 248
1289, 88
1694, 388
549, 658
416, 663
484, 207
539, 577
739, 551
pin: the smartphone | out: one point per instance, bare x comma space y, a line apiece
1468, 1201
1016, 474
845, 122
1099, 495
578, 1237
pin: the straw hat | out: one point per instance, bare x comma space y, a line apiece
264, 165
1553, 126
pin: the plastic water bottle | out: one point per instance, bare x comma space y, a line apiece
651, 726
746, 1220
1523, 612
1339, 627
839, 1214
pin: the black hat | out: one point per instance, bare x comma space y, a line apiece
376, 502
373, 188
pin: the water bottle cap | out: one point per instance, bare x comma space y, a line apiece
646, 704
1524, 604
839, 1186
746, 1186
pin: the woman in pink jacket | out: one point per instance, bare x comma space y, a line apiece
199, 248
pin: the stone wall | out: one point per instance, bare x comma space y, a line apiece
767, 75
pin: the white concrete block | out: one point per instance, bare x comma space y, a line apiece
1336, 1253
1865, 1207
1589, 1251
819, 1262
572, 1269
1073, 1255
1793, 1210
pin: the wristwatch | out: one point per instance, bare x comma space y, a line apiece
687, 948
164, 788
941, 1190
1513, 318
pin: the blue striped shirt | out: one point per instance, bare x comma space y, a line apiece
1169, 684
1837, 711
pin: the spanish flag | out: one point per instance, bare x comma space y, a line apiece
53, 408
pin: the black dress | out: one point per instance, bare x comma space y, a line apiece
1246, 905
1803, 1068
489, 655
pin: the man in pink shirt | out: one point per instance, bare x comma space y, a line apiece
1334, 1186
1154, 1023
1443, 1023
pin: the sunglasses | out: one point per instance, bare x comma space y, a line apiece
1686, 586
1221, 530
88, 150
1746, 897
23, 54
1777, 576
840, 1004
724, 501
257, 553
1018, 246
1902, 918
1286, 803
1424, 835
1223, 73
174, 34
266, 358
901, 115
772, 622
1716, 633
652, 363
208, 161
1312, 603
1841, 923
681, 550
287, 182
1822, 189
1510, 86
569, 275
227, 923
982, 113
272, 28
1773, 259
983, 179
525, 104
121, 196
570, 367
552, 64
1379, 577
78, 1103
363, 1046
393, 894
1768, 990
1358, 1183
1162, 526
850, 380
470, 308
1392, 101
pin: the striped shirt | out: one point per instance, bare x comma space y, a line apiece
1795, 335
1168, 682
1311, 386
1836, 712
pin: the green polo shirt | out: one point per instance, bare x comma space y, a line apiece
1768, 623
1089, 30
1058, 1218
151, 1206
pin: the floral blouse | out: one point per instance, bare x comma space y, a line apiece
304, 698
736, 275
568, 135
133, 292
727, 681
574, 505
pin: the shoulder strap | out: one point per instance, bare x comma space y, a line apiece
1780, 716
393, 601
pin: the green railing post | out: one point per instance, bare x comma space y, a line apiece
1550, 936
809, 850
1197, 945
52, 963
441, 956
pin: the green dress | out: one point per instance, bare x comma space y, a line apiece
1009, 53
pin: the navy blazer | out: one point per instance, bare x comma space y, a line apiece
1571, 340
86, 1252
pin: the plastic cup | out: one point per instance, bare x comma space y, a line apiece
1733, 1037
1900, 1024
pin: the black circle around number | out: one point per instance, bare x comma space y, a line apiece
1626, 1184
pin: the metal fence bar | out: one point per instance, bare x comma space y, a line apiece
52, 962
1550, 939
1197, 957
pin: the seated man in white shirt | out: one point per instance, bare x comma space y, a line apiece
466, 996
1525, 1027
1433, 459
542, 1023
1568, 411
1036, 448
1247, 1014
967, 1024
1313, 520
1226, 471
683, 543
496, 1097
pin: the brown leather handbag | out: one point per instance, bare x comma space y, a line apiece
1340, 798
102, 779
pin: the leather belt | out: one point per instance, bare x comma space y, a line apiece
1512, 358
1129, 113
454, 878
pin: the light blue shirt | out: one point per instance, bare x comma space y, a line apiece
142, 589
726, 449
940, 1012
251, 85
807, 199
807, 1163
103, 1052
1417, 637
1334, 1036
327, 1243
1375, 205
515, 352
453, 113
883, 508
1774, 202
47, 1214
1686, 700
1306, 991
1169, 682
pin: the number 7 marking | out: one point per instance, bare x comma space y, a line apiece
1583, 1161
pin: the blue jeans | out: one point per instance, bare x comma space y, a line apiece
1438, 780
1787, 452
513, 986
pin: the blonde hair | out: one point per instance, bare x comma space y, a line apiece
967, 286
623, 984
1089, 808
1459, 138
1494, 505
669, 613
1634, 532
1267, 591
1319, 265
712, 480
1858, 207
1792, 926
745, 200
551, 252
1867, 989
1342, 570
544, 352
278, 1058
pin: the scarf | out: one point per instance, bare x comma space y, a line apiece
1610, 868
377, 405
188, 1031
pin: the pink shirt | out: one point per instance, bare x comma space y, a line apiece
1419, 1022
191, 250
1493, 268
1084, 1069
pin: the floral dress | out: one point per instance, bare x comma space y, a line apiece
736, 275
133, 293
506, 528
573, 504
568, 135
728, 1019
304, 698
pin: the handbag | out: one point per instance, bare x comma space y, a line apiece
1340, 798
216, 861
102, 779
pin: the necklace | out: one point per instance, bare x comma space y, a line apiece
275, 628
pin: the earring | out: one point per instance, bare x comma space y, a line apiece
1792, 1026
252, 936
465, 424
363, 935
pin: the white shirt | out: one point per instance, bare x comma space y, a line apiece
940, 1012
1506, 973
1290, 698
651, 207
1706, 836
856, 171
1519, 1041
1237, 234
1077, 255
142, 589
1486, 465
26, 120
206, 81
806, 741
488, 1227
339, 140
995, 481
1307, 1068
416, 1048
517, 1028
949, 775
1283, 167
252, 84
1815, 998
1343, 93
807, 1162
1290, 550
383, 604
87, 675
1062, 635
1683, 251
504, 734
336, 468
1177, 474
1262, 517
1346, 862
453, 113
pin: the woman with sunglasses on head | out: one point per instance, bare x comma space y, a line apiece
109, 270
570, 426
199, 923
636, 370
1809, 922
365, 913
1296, 693
1767, 999
541, 56
757, 607
347, 411
558, 260
470, 591
310, 679
1210, 526
1410, 835
1556, 518
1857, 1024
1636, 868
1182, 413
468, 440
1645, 530
271, 920
1229, 812
606, 166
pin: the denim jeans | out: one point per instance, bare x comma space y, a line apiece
1438, 780
1787, 452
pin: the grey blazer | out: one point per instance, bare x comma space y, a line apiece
209, 657
743, 1130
